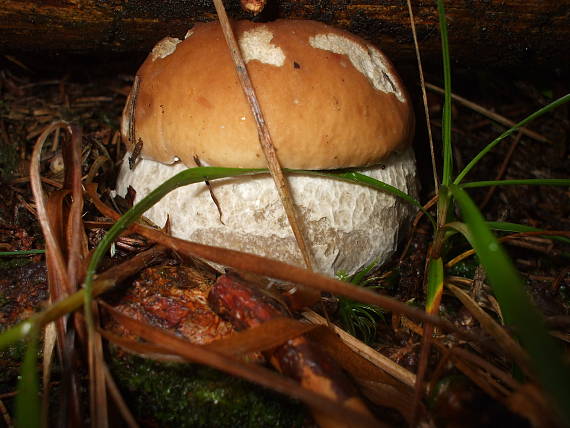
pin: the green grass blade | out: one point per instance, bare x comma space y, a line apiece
530, 181
27, 399
359, 276
195, 175
519, 313
21, 253
508, 132
446, 120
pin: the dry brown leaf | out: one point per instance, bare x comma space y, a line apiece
261, 338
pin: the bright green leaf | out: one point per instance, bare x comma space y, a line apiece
27, 399
518, 312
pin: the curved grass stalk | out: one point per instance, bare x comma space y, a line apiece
508, 132
200, 174
189, 176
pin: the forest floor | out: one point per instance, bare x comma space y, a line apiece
30, 102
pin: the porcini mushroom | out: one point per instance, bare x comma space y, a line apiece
330, 99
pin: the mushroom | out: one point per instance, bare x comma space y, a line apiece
330, 99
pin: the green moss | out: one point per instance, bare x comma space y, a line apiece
189, 395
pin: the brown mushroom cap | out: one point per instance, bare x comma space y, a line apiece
330, 99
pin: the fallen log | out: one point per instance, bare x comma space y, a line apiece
505, 34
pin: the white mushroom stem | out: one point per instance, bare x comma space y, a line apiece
348, 225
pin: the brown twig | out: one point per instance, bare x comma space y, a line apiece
211, 190
280, 180
415, 223
379, 360
491, 115
6, 415
559, 278
51, 182
510, 239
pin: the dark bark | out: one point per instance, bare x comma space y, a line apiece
507, 33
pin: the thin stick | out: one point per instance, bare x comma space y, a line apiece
211, 190
491, 115
264, 137
128, 417
6, 415
424, 96
365, 351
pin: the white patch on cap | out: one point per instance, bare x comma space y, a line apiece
164, 48
255, 44
189, 33
369, 61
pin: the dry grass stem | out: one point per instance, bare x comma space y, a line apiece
52, 245
118, 399
490, 114
424, 95
279, 178
366, 351
512, 240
